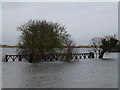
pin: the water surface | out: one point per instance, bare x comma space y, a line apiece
84, 73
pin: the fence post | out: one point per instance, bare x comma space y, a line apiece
6, 59
19, 57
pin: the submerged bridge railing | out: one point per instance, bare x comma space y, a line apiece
50, 57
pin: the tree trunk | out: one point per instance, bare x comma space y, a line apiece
69, 57
31, 55
101, 54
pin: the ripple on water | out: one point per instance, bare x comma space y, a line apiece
84, 73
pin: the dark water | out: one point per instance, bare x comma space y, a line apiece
84, 73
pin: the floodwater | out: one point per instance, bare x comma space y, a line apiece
83, 73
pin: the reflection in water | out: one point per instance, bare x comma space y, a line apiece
84, 73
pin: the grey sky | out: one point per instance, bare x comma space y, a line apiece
83, 20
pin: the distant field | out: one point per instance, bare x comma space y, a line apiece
9, 47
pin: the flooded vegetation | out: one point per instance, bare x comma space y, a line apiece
83, 73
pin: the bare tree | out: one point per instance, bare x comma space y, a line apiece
96, 43
69, 50
105, 44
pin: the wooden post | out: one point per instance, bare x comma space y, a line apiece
19, 57
80, 57
88, 56
13, 59
6, 59
93, 55
96, 54
84, 56
75, 57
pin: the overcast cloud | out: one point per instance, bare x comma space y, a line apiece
82, 20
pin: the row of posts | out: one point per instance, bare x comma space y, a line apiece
13, 57
46, 56
61, 57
